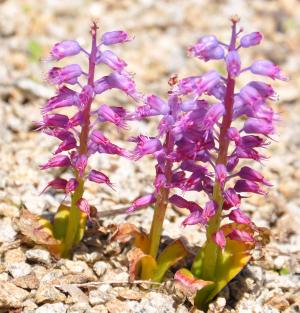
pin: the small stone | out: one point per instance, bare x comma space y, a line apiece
100, 295
29, 281
19, 269
29, 305
129, 294
52, 277
281, 261
14, 256
278, 302
52, 308
99, 309
79, 307
153, 302
117, 306
38, 255
76, 267
4, 277
217, 306
48, 293
100, 268
7, 232
11, 296
289, 188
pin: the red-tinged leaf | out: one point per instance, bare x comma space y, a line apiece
39, 230
168, 257
127, 231
140, 265
190, 283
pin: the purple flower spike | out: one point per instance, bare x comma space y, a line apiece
64, 49
219, 239
267, 68
117, 36
68, 74
251, 39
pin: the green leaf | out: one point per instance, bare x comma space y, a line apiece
148, 267
81, 228
61, 221
198, 263
170, 255
229, 263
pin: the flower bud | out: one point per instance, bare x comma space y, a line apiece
64, 49
219, 238
110, 59
231, 199
57, 161
233, 63
117, 36
71, 186
57, 183
248, 186
251, 39
267, 68
248, 173
99, 178
68, 74
240, 235
141, 202
239, 217
258, 126
84, 206
221, 173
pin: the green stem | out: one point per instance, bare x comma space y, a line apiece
73, 221
211, 250
157, 221
161, 203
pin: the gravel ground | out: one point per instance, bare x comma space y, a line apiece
95, 280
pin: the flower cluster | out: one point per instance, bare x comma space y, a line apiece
78, 134
208, 136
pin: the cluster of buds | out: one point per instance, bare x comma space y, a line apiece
78, 134
205, 141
